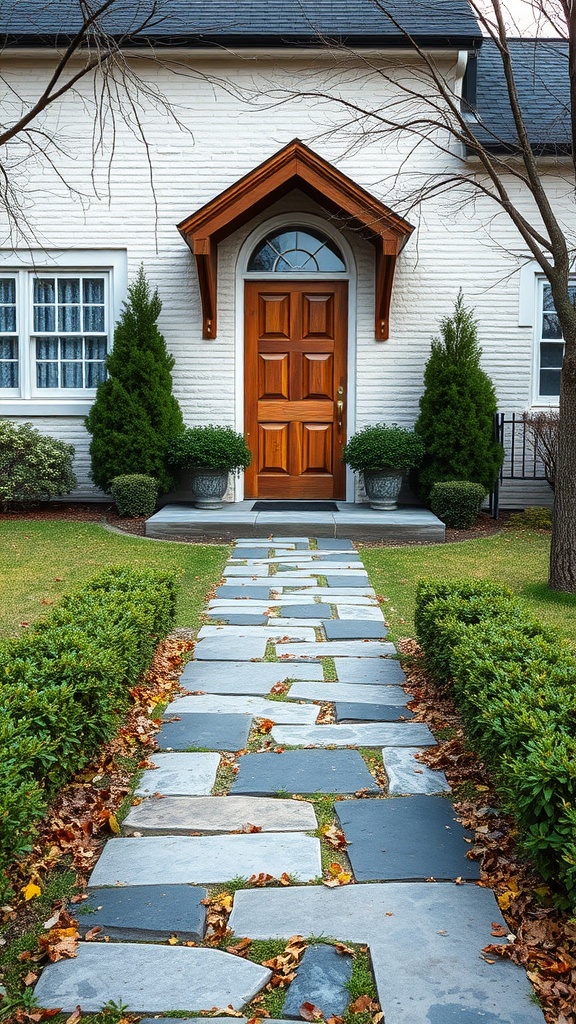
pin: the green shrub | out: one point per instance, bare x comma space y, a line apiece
457, 408
380, 446
533, 517
32, 467
135, 413
64, 686
514, 681
457, 503
135, 494
209, 447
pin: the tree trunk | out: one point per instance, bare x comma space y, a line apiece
563, 547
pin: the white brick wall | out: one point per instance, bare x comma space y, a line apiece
232, 125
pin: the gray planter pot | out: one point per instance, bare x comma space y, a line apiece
208, 487
383, 487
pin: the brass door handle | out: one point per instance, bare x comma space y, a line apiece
339, 412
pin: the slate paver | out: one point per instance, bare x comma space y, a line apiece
182, 815
270, 631
347, 580
321, 979
145, 913
406, 775
355, 670
235, 592
259, 707
324, 592
336, 649
354, 692
363, 734
306, 611
149, 979
350, 712
240, 677
352, 611
173, 860
425, 944
337, 556
409, 838
252, 551
230, 648
303, 771
334, 544
214, 732
180, 775
355, 629
234, 619
250, 569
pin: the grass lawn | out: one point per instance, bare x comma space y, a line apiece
41, 561
518, 558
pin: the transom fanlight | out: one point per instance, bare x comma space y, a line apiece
289, 250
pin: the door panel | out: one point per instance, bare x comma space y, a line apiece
295, 364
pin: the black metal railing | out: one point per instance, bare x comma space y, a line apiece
521, 461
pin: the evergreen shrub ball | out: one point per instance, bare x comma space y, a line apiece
209, 447
135, 413
381, 446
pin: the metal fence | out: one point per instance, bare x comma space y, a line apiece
521, 462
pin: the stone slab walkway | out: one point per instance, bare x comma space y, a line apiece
283, 647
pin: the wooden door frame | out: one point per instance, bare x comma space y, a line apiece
242, 275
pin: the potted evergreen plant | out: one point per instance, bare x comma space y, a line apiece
383, 454
209, 454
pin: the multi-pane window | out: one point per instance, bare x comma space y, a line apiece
297, 249
551, 347
69, 331
8, 334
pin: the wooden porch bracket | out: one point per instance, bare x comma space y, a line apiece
295, 166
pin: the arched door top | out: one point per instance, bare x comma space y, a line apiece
291, 249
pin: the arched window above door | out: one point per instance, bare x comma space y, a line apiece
296, 249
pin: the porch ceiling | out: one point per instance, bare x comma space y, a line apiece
295, 166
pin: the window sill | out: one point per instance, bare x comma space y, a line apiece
51, 407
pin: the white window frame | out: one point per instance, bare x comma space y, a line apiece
540, 399
25, 265
531, 304
14, 392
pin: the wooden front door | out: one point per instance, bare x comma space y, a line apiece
295, 388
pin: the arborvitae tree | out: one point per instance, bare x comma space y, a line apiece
456, 420
135, 413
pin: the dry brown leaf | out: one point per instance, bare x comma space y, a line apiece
74, 1016
310, 1012
363, 1003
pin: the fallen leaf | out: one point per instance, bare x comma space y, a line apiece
74, 1016
363, 1003
343, 950
310, 1012
113, 823
91, 935
30, 891
334, 837
30, 978
499, 930
173, 940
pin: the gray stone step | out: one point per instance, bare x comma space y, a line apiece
354, 692
407, 776
270, 632
216, 703
355, 670
183, 815
173, 860
322, 592
144, 913
355, 629
180, 775
335, 649
213, 732
149, 979
304, 771
350, 712
321, 979
230, 648
358, 611
240, 677
365, 734
425, 944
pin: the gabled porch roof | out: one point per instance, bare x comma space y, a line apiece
295, 166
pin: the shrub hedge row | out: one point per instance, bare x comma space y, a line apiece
64, 686
514, 681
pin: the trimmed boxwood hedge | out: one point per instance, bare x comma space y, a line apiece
514, 681
64, 686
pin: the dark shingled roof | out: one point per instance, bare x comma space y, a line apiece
541, 75
252, 22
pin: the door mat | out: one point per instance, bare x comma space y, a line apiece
294, 506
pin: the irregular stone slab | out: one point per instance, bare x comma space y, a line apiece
336, 649
354, 611
260, 592
180, 775
406, 775
368, 734
355, 670
351, 558
252, 551
303, 771
268, 632
295, 581
321, 979
145, 913
342, 572
170, 860
410, 838
244, 606
278, 621
251, 569
306, 611
334, 544
240, 677
258, 707
214, 732
425, 943
355, 629
350, 712
322, 592
347, 579
149, 979
230, 648
182, 815
234, 619
315, 567
354, 692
